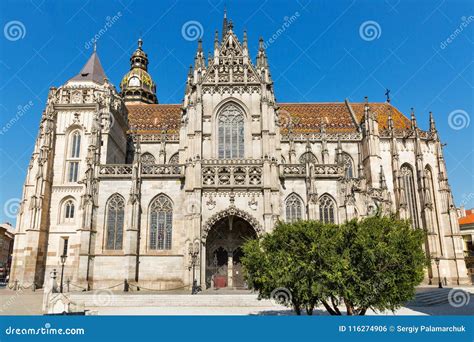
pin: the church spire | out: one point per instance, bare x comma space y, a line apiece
432, 123
413, 119
137, 85
225, 25
91, 71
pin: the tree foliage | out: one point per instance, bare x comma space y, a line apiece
372, 263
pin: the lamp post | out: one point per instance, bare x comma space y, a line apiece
193, 254
439, 275
63, 261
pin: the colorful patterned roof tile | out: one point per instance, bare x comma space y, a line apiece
338, 117
154, 118
381, 110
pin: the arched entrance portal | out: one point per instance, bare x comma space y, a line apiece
224, 252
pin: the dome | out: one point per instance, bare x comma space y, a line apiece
137, 84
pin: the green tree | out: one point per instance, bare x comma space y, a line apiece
373, 263
385, 260
280, 264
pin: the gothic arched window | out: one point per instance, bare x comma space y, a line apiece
174, 159
114, 222
75, 144
326, 209
68, 211
408, 183
430, 202
348, 165
308, 157
161, 223
147, 159
294, 208
231, 132
73, 156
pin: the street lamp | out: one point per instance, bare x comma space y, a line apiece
63, 261
193, 254
439, 275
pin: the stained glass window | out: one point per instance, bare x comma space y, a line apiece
348, 165
161, 223
294, 208
408, 183
308, 157
231, 132
147, 158
115, 222
326, 209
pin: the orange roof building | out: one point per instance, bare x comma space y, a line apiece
164, 195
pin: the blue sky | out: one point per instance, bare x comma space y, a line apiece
329, 51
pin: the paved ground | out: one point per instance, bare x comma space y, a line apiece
22, 302
26, 302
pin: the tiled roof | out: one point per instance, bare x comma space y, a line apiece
468, 219
305, 117
152, 118
308, 117
381, 110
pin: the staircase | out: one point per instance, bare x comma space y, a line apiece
430, 297
110, 299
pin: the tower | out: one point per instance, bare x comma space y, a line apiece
83, 126
137, 85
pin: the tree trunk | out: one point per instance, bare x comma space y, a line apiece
328, 308
334, 305
349, 308
309, 310
362, 311
297, 307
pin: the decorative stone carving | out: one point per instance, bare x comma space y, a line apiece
231, 211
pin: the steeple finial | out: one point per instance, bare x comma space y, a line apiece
390, 118
432, 123
200, 45
140, 43
224, 24
413, 118
260, 44
387, 94
95, 46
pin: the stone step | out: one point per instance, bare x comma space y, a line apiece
431, 297
110, 299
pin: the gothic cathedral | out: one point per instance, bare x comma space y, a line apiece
125, 188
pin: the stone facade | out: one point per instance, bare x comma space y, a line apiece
131, 189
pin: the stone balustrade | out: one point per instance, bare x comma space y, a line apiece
232, 173
115, 170
147, 170
317, 170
